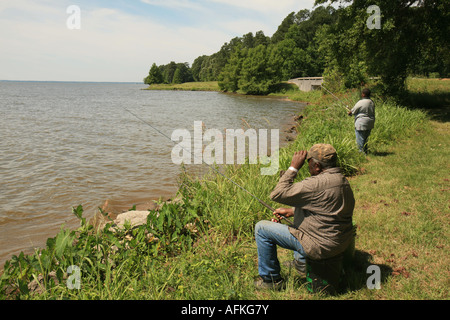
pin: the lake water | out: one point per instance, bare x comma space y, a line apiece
65, 144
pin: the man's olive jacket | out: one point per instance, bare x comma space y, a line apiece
323, 211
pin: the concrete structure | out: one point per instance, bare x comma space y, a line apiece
308, 83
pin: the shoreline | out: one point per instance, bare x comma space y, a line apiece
116, 206
288, 133
120, 204
212, 86
220, 257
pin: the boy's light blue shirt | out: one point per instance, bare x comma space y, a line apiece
364, 112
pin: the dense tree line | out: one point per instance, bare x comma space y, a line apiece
169, 73
339, 44
291, 52
411, 39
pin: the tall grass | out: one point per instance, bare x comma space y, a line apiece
234, 211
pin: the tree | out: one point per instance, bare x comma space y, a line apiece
407, 30
283, 28
290, 60
258, 62
258, 73
169, 71
230, 75
182, 73
154, 75
197, 67
177, 77
209, 68
261, 38
248, 40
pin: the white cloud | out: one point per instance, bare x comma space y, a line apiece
269, 6
110, 46
256, 15
115, 45
242, 26
174, 4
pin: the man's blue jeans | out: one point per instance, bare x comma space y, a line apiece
361, 139
268, 235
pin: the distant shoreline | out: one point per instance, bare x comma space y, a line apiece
187, 86
74, 81
213, 86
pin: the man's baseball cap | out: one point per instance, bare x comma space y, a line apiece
324, 153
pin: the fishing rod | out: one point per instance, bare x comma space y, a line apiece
217, 171
345, 106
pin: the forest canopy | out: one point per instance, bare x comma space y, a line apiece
347, 42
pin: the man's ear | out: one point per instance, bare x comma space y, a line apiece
318, 167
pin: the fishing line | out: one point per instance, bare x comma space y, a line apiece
345, 106
217, 171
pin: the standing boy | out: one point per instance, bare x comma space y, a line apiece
364, 112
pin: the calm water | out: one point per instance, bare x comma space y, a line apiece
65, 144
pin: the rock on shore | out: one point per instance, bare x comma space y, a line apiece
134, 218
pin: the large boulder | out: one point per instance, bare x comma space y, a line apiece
134, 218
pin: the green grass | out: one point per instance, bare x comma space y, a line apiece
401, 190
402, 213
430, 94
292, 92
187, 86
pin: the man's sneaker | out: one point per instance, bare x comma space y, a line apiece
300, 267
262, 284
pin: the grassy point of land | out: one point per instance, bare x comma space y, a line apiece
187, 86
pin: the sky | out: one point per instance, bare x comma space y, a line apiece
119, 40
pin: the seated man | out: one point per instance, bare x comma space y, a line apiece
322, 209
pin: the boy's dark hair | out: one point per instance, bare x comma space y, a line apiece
366, 92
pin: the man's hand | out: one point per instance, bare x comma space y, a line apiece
280, 213
298, 160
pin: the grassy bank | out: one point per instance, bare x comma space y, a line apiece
187, 86
203, 247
